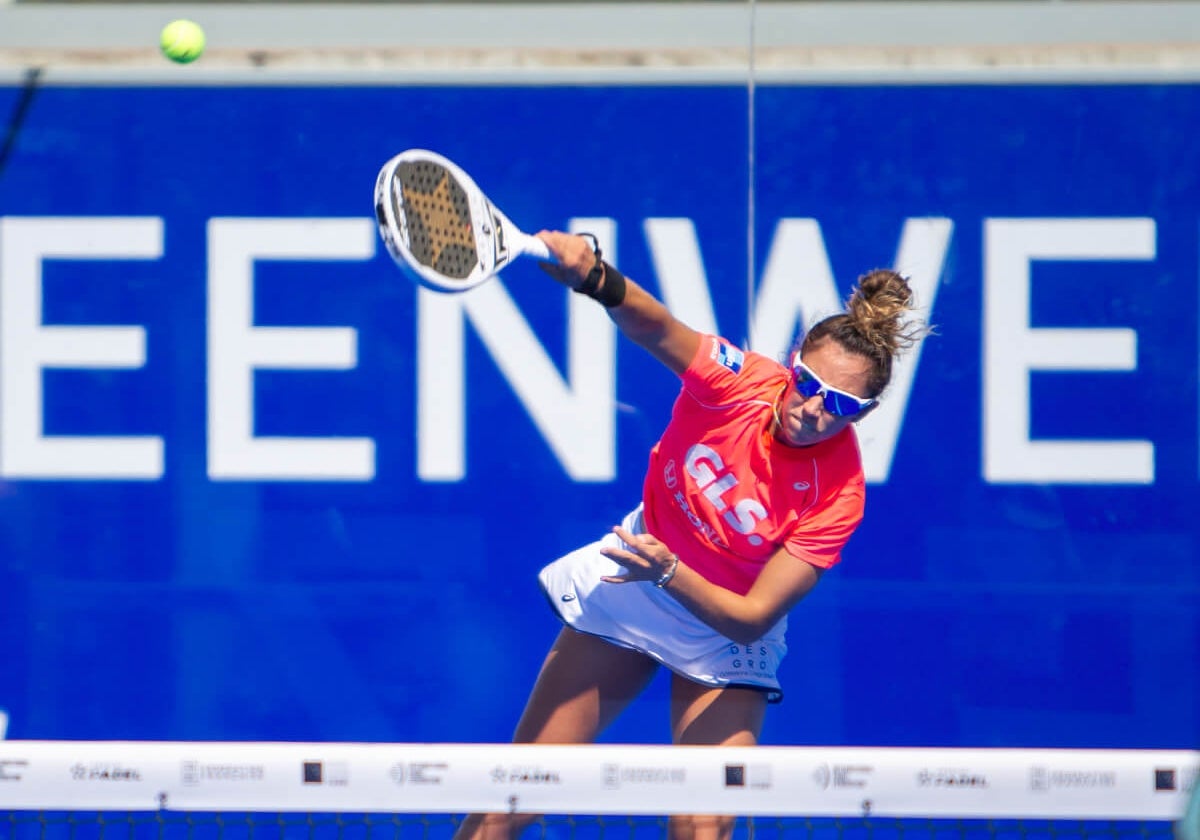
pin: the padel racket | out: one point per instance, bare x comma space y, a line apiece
440, 227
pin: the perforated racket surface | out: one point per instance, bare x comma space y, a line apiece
440, 227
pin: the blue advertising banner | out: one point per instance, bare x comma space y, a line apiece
257, 486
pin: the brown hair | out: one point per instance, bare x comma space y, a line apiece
874, 324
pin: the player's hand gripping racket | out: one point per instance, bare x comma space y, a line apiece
440, 227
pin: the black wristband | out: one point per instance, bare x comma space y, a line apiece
592, 281
612, 293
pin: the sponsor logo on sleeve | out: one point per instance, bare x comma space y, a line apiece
728, 356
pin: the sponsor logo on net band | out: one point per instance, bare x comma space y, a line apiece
958, 778
104, 772
193, 772
754, 776
828, 776
12, 769
1176, 779
525, 775
1043, 779
418, 772
621, 775
331, 773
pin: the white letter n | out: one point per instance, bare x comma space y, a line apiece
576, 415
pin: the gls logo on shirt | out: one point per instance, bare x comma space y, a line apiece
714, 481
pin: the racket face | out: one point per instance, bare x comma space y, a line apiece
437, 224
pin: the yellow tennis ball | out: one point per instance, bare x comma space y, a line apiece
182, 41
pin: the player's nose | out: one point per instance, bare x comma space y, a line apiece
813, 407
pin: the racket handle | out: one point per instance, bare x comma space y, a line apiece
535, 247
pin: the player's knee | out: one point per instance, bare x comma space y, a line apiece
700, 827
493, 826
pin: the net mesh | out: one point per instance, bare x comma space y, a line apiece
102, 825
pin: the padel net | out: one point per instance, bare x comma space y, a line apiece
96, 789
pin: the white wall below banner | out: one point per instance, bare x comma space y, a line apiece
886, 41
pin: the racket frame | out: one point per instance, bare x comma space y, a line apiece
497, 240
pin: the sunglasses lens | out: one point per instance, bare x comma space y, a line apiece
840, 405
805, 384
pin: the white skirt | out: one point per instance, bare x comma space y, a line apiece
646, 618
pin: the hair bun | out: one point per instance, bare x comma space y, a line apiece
875, 324
877, 307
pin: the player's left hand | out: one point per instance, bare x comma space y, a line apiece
648, 557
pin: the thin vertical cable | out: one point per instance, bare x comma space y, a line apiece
750, 174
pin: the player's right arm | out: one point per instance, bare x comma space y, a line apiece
641, 317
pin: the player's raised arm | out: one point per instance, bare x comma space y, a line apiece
639, 315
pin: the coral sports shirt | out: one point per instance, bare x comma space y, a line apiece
725, 494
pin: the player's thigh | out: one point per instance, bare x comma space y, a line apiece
702, 715
584, 684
